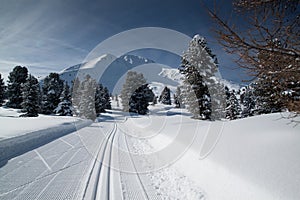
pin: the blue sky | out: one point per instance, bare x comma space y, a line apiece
50, 35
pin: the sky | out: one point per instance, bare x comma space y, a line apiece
51, 35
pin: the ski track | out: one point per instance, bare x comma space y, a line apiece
95, 162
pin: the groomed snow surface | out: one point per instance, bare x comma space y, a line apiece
164, 155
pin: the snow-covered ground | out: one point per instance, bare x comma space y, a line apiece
11, 125
252, 158
163, 155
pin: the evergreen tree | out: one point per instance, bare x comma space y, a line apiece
133, 81
117, 100
139, 100
100, 100
165, 97
64, 108
204, 94
86, 104
267, 95
107, 98
75, 93
2, 90
248, 101
52, 89
30, 95
178, 98
195, 92
15, 80
233, 108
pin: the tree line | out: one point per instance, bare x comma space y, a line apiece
52, 95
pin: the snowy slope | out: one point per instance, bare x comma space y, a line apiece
11, 125
252, 158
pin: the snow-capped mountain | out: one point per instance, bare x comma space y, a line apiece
107, 69
111, 71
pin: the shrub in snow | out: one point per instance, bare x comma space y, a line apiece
30, 95
14, 90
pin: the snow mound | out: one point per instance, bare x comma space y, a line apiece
18, 145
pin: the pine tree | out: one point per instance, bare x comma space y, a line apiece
64, 108
195, 92
248, 101
117, 100
139, 100
267, 95
107, 98
86, 104
233, 108
2, 91
200, 68
75, 93
15, 80
100, 100
178, 98
133, 81
30, 95
52, 89
165, 97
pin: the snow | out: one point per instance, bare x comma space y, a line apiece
172, 156
253, 158
94, 62
11, 125
172, 74
21, 134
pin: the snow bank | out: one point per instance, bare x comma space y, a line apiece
254, 158
20, 135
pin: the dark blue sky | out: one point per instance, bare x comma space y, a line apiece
50, 35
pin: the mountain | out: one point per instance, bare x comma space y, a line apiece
107, 69
111, 71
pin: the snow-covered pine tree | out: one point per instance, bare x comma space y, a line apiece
86, 104
64, 108
107, 98
14, 90
267, 95
247, 101
117, 100
51, 89
100, 100
233, 108
195, 92
2, 90
75, 93
133, 81
200, 61
139, 100
178, 98
30, 95
165, 96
